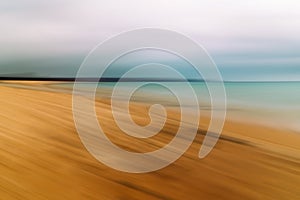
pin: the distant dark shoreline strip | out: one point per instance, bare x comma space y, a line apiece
109, 79
64, 79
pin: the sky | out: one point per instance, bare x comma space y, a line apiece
256, 40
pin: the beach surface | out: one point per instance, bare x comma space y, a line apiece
42, 156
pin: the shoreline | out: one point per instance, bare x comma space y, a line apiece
42, 156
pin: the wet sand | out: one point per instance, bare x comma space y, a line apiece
42, 156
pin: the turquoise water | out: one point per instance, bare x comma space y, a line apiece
270, 103
273, 95
275, 103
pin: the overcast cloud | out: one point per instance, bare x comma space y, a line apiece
236, 33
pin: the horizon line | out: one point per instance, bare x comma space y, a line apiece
115, 79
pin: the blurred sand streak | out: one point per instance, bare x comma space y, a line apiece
42, 157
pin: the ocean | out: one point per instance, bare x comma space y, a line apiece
268, 103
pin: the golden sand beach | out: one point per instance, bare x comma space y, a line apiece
42, 157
